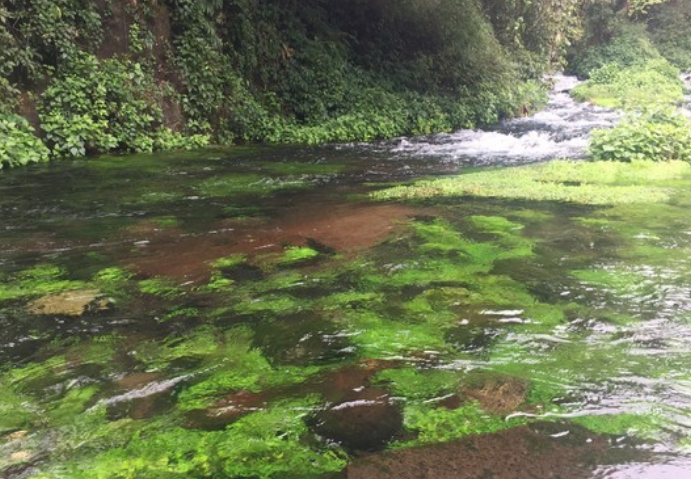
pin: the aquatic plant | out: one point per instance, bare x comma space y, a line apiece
434, 425
233, 365
646, 425
269, 444
36, 281
238, 184
596, 183
418, 384
295, 255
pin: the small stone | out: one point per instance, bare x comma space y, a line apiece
20, 456
496, 393
71, 303
17, 435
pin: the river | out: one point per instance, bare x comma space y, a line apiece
251, 312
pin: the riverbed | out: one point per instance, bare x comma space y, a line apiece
254, 312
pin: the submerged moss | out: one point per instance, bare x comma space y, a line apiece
295, 255
379, 337
594, 183
160, 287
235, 366
416, 384
17, 411
37, 281
269, 444
435, 425
644, 425
248, 184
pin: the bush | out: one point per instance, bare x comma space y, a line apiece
18, 144
670, 30
98, 106
656, 81
630, 45
658, 135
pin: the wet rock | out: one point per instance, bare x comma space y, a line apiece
17, 435
345, 385
520, 453
71, 303
20, 456
496, 393
365, 422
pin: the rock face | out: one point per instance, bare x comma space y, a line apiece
521, 453
71, 303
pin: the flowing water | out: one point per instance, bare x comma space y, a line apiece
252, 313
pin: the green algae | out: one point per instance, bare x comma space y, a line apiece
278, 304
112, 276
166, 221
17, 411
378, 337
238, 184
435, 425
229, 262
416, 384
269, 444
295, 255
37, 281
646, 426
161, 287
618, 282
594, 183
235, 366
404, 300
286, 168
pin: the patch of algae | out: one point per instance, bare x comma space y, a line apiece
270, 444
593, 183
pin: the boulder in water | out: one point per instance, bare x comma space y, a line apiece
71, 303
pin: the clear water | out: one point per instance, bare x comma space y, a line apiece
339, 328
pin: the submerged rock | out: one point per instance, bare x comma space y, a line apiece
558, 452
72, 303
365, 422
496, 393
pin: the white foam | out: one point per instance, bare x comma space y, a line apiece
561, 130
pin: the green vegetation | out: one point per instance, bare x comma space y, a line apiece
596, 183
39, 280
419, 384
627, 48
643, 425
652, 83
632, 53
18, 145
99, 106
657, 134
670, 31
187, 72
269, 444
434, 425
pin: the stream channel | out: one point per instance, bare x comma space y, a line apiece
252, 313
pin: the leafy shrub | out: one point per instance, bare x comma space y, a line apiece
663, 134
18, 144
656, 81
97, 106
628, 46
670, 31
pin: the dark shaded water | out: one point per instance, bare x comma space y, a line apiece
250, 313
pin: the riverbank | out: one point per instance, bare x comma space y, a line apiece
159, 75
